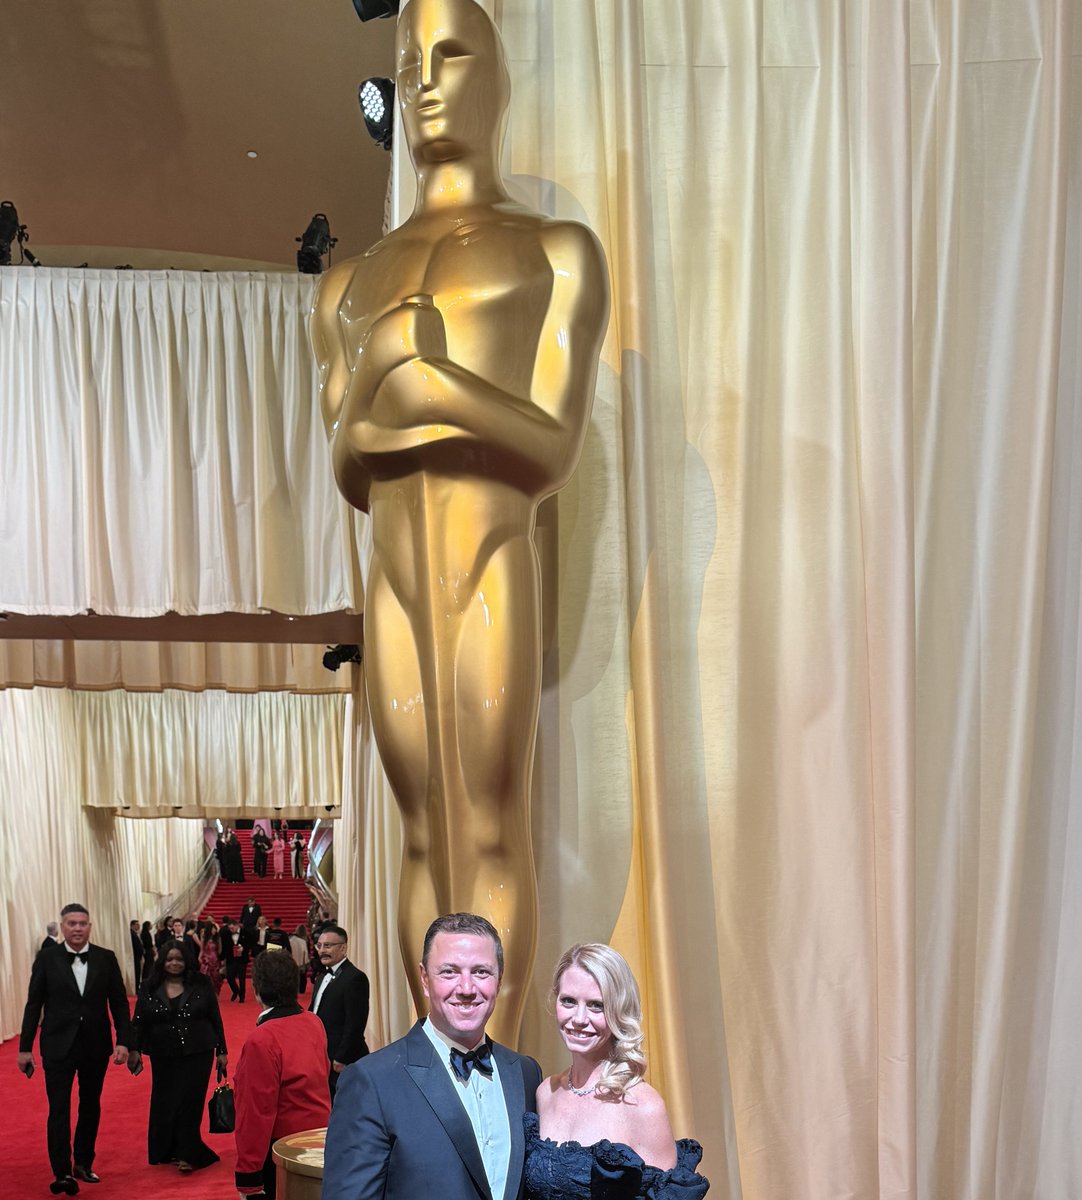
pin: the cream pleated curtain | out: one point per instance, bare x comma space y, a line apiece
54, 849
151, 666
809, 725
164, 454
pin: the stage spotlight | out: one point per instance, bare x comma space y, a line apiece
367, 10
11, 231
337, 655
316, 241
376, 98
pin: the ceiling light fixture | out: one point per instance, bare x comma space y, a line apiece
376, 98
316, 241
367, 10
10, 232
337, 655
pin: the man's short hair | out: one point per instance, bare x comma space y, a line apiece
275, 978
337, 930
463, 923
70, 908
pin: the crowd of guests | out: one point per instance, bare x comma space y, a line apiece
223, 952
398, 1116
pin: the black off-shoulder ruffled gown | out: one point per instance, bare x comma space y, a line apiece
606, 1171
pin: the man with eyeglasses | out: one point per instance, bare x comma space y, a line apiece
340, 1001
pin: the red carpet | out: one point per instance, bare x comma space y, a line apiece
121, 1153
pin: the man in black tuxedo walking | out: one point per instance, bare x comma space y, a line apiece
235, 957
340, 1000
78, 985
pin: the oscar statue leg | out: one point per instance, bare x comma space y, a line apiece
497, 681
396, 705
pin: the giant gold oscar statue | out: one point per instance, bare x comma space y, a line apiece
458, 358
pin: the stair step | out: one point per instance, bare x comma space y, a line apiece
287, 898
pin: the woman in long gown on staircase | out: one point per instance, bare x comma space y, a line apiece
600, 1131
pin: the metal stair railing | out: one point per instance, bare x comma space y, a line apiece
193, 899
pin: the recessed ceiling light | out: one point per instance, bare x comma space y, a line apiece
253, 153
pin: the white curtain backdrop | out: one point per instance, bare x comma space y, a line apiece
159, 448
54, 850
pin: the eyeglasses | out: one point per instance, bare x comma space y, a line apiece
328, 945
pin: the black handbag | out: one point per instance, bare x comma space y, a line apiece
222, 1110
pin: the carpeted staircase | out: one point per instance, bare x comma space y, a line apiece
286, 898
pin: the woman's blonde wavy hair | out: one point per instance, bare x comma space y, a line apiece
626, 1062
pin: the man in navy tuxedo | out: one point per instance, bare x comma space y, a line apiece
78, 985
439, 1112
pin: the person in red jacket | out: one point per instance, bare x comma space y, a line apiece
281, 1078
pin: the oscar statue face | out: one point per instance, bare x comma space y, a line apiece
452, 81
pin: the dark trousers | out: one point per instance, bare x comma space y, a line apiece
59, 1079
236, 975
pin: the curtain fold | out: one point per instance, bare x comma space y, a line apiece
162, 444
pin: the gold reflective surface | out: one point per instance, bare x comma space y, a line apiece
457, 365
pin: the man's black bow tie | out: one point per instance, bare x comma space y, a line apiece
465, 1061
73, 955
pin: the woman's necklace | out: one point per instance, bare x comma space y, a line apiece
582, 1091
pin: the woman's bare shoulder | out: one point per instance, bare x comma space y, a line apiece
647, 1120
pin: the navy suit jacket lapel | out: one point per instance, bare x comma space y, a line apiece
514, 1097
431, 1077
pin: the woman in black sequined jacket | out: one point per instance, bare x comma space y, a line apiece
178, 1026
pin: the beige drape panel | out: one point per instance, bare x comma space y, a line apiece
159, 443
209, 754
53, 850
151, 666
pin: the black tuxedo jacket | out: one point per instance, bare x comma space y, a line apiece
398, 1130
344, 1013
53, 988
249, 916
234, 951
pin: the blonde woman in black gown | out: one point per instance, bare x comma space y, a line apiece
601, 1132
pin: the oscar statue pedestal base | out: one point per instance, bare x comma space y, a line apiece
299, 1161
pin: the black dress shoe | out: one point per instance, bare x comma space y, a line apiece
85, 1174
64, 1184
